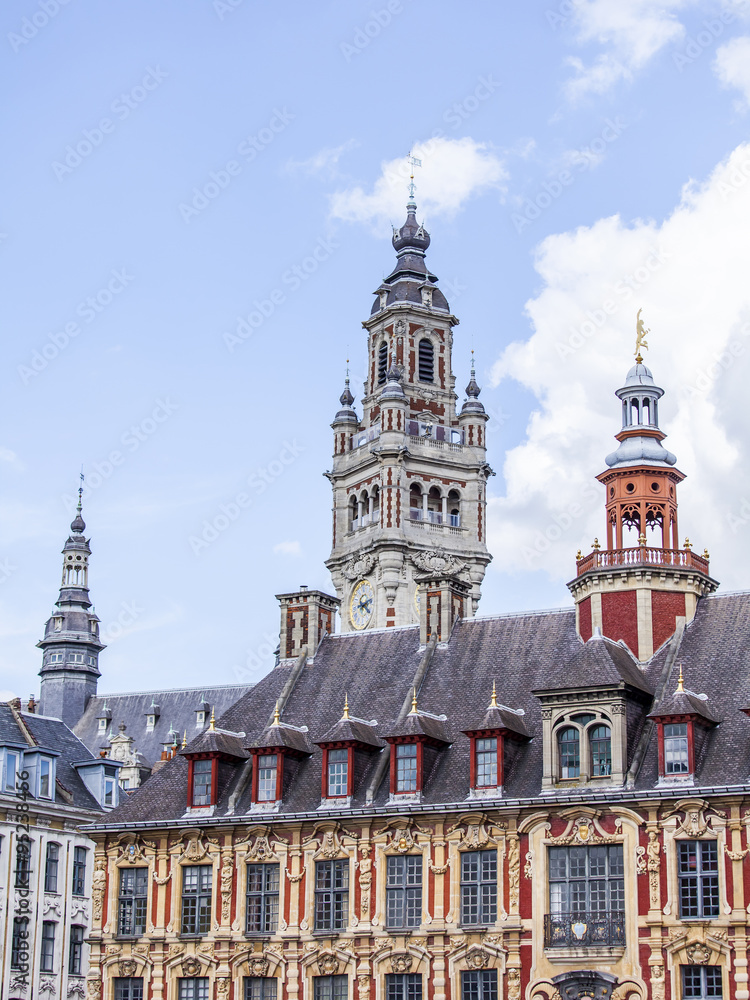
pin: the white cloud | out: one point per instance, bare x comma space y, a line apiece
690, 276
631, 31
325, 162
6, 455
288, 548
732, 66
452, 171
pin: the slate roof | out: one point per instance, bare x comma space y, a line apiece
218, 741
52, 734
352, 731
177, 712
523, 653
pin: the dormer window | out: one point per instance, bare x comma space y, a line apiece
569, 749
600, 742
57, 624
348, 748
268, 777
683, 719
202, 781
200, 719
102, 727
499, 732
676, 748
486, 762
337, 773
275, 755
212, 758
45, 778
407, 767
150, 723
415, 745
12, 767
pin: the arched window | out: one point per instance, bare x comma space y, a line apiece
382, 362
352, 513
454, 509
434, 506
635, 412
646, 411
50, 868
415, 502
426, 361
600, 741
569, 744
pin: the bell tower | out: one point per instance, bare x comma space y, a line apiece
410, 476
643, 584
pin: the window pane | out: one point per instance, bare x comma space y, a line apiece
478, 887
202, 775
406, 767
481, 985
570, 755
486, 751
601, 751
129, 989
267, 771
338, 772
262, 898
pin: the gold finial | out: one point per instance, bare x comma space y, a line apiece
212, 721
596, 546
346, 705
640, 337
706, 555
688, 543
414, 702
184, 739
642, 539
493, 702
276, 716
680, 684
578, 555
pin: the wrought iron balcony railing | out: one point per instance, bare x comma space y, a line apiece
571, 930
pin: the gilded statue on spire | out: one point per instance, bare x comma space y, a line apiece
640, 337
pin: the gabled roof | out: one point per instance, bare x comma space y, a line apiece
279, 736
417, 723
600, 662
684, 703
217, 741
351, 731
499, 717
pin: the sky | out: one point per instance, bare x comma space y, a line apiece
198, 197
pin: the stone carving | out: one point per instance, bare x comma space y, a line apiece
475, 832
261, 850
140, 949
359, 565
191, 967
75, 989
401, 963
640, 861
132, 848
328, 964
699, 954
19, 984
222, 987
694, 822
583, 832
195, 845
329, 843
514, 984
365, 879
736, 855
514, 871
528, 869
114, 949
52, 906
79, 908
94, 989
127, 967
657, 982
653, 864
437, 561
477, 958
227, 875
298, 876
164, 880
400, 327
438, 870
257, 966
98, 885
176, 949
363, 987
47, 986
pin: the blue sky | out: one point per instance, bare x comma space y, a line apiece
173, 168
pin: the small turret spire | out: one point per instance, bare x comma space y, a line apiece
212, 721
276, 715
346, 706
414, 710
680, 682
493, 701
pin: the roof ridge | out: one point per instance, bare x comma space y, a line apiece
518, 614
144, 694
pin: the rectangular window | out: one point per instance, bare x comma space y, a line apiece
79, 871
196, 900
262, 899
202, 773
50, 868
478, 887
405, 987
102, 725
406, 767
676, 759
47, 957
129, 989
75, 954
338, 773
480, 985
267, 770
257, 988
45, 778
486, 751
19, 952
586, 896
403, 892
23, 861
133, 902
331, 895
701, 982
698, 873
12, 766
192, 989
109, 792
330, 988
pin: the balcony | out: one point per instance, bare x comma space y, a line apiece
435, 435
366, 519
641, 555
434, 517
601, 929
364, 437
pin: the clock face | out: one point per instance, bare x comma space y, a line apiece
362, 604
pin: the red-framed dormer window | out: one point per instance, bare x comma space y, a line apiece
407, 762
202, 781
486, 763
338, 772
676, 738
268, 776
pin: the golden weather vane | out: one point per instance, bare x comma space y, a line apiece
413, 162
640, 337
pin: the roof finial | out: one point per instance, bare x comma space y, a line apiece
184, 739
414, 162
212, 721
346, 705
493, 702
414, 702
80, 494
640, 337
276, 716
680, 680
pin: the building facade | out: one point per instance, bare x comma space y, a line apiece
50, 786
431, 805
